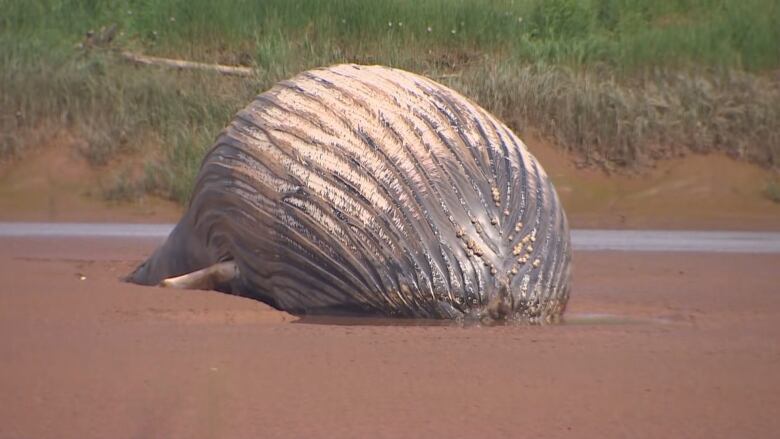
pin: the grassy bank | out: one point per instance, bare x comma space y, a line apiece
619, 82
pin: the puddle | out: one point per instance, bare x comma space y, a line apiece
373, 321
573, 319
606, 319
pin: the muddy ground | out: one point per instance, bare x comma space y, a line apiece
656, 345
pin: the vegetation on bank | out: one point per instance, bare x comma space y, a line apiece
619, 82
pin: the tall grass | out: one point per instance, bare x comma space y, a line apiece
660, 114
623, 33
619, 81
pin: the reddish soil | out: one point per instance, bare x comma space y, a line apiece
693, 192
53, 182
657, 345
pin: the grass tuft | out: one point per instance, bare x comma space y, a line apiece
772, 191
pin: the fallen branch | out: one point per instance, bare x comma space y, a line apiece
186, 65
447, 75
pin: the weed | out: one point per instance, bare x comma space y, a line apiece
124, 187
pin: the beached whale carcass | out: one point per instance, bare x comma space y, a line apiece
371, 190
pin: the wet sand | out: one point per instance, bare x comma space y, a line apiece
657, 345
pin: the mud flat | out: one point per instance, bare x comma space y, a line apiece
657, 345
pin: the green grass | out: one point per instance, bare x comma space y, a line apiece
618, 81
626, 34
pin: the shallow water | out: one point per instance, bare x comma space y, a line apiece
589, 319
582, 240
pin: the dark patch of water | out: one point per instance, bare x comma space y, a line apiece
579, 319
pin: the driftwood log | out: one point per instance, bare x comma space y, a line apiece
186, 65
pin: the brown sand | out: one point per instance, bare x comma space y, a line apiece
690, 348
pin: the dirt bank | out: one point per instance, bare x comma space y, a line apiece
692, 192
688, 348
52, 182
